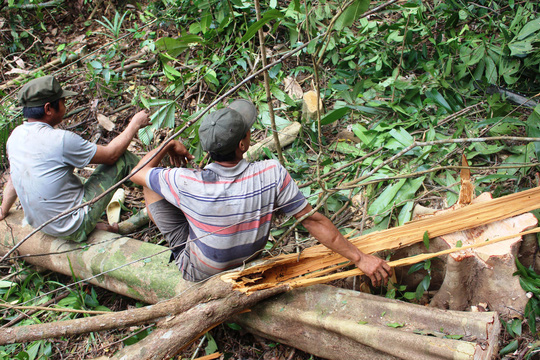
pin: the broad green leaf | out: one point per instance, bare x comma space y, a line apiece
352, 13
439, 99
234, 326
416, 267
175, 47
365, 135
211, 347
516, 326
347, 148
511, 347
451, 196
530, 28
395, 325
267, 17
521, 48
402, 136
282, 96
491, 71
6, 284
533, 128
385, 200
335, 115
405, 214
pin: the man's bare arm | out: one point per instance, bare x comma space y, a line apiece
322, 229
8, 199
177, 152
110, 153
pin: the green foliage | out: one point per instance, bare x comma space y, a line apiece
114, 26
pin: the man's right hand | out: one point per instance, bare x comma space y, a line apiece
375, 268
178, 153
141, 119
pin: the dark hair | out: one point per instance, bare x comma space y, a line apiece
38, 112
223, 157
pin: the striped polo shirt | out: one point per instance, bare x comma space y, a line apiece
229, 210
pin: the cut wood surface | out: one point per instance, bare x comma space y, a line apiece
319, 260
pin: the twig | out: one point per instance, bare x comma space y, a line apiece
267, 87
36, 6
33, 311
37, 308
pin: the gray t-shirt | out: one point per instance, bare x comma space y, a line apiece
42, 160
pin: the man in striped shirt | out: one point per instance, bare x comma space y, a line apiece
216, 218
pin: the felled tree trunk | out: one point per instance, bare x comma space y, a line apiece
484, 276
322, 318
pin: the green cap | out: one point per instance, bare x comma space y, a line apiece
42, 90
221, 131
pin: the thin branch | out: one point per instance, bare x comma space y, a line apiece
267, 87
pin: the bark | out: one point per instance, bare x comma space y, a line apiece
180, 320
343, 324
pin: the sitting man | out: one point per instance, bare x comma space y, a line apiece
42, 159
216, 218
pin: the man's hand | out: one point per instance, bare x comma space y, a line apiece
178, 154
375, 268
141, 119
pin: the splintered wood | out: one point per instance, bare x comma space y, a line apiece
314, 264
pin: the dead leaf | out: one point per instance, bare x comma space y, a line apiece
79, 39
17, 71
293, 88
48, 41
54, 31
105, 122
93, 105
20, 62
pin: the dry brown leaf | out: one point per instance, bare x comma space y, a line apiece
293, 88
105, 122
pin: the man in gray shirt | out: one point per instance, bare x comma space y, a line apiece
42, 160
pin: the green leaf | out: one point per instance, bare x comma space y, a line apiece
459, 244
426, 240
405, 214
530, 28
352, 13
212, 346
335, 115
385, 199
511, 347
175, 47
416, 267
267, 17
395, 325
234, 326
6, 284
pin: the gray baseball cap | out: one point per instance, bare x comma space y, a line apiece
41, 91
221, 131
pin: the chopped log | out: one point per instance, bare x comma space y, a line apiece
343, 324
286, 137
484, 275
477, 277
311, 108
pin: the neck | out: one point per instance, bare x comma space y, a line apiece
231, 163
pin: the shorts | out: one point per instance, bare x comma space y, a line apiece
172, 223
